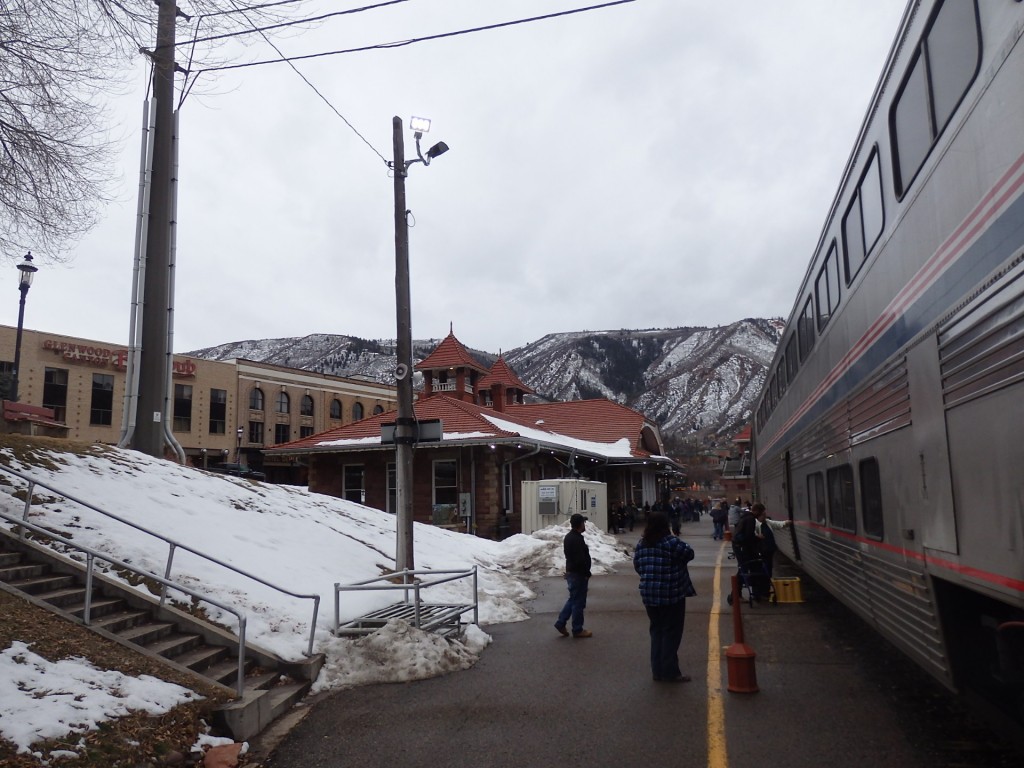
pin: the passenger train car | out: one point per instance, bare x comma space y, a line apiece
890, 428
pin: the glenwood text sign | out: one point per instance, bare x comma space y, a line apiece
117, 359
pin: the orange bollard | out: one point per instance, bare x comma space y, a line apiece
740, 656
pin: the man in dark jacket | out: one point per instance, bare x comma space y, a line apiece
577, 577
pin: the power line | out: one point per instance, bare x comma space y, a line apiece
402, 43
304, 78
293, 23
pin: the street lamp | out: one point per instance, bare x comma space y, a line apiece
405, 423
26, 271
238, 449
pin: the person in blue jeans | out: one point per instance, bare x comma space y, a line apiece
660, 558
577, 577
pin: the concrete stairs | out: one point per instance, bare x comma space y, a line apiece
175, 638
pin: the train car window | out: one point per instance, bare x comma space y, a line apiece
826, 287
954, 54
842, 508
871, 498
792, 361
805, 329
816, 497
942, 69
781, 373
862, 225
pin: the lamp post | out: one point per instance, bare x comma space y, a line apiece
26, 271
238, 449
405, 423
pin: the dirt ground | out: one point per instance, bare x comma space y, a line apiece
137, 740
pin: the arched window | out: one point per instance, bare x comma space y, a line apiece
378, 409
357, 411
335, 409
256, 399
283, 403
306, 409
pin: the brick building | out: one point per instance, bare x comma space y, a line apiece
492, 440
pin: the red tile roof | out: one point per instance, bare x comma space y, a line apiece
450, 353
594, 421
501, 373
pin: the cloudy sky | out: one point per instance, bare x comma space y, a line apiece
659, 163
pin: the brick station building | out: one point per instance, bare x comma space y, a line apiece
492, 441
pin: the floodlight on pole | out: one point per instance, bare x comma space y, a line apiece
405, 423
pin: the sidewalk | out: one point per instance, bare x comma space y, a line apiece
537, 699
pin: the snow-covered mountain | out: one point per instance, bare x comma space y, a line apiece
690, 381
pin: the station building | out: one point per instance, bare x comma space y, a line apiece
224, 411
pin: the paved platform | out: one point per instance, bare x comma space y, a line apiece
830, 694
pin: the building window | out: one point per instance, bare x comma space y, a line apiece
55, 392
256, 399
335, 409
101, 411
871, 498
378, 409
352, 483
943, 68
218, 411
816, 497
256, 432
305, 431
841, 505
392, 503
306, 406
283, 403
357, 411
182, 407
282, 433
446, 482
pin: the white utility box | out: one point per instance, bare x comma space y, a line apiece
550, 502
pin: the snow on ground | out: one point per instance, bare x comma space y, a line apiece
302, 542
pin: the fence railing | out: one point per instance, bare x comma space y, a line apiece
172, 546
408, 581
91, 555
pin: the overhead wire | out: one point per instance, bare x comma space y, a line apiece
412, 41
379, 46
293, 23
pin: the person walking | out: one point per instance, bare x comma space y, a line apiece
660, 558
577, 578
720, 516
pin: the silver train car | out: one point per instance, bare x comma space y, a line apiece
890, 429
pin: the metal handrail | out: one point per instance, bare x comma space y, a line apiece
173, 545
91, 555
415, 586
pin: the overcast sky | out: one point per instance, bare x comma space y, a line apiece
661, 163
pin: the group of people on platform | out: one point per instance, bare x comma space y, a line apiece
661, 560
624, 516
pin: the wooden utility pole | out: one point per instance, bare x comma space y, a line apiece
405, 424
149, 430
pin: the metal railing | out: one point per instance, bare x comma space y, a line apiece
91, 555
172, 547
407, 581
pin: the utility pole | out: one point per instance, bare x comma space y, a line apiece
149, 430
405, 423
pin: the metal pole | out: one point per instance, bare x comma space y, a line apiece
23, 289
149, 430
404, 424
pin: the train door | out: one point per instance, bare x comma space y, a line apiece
787, 482
930, 509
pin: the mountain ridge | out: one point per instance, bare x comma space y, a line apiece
694, 382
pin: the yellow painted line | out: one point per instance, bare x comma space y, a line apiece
717, 755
